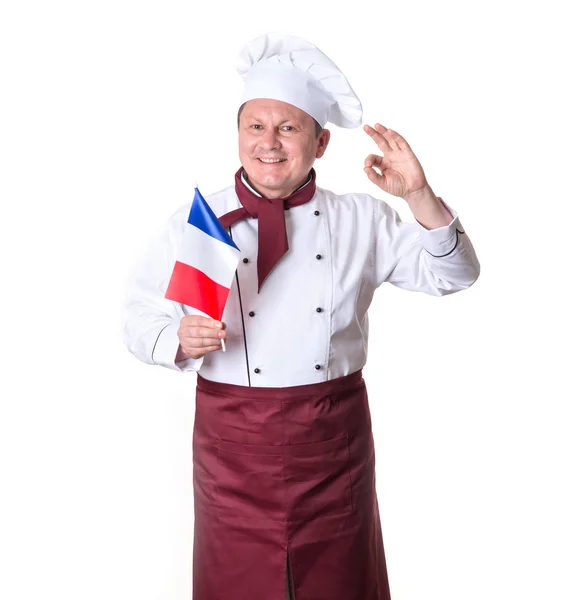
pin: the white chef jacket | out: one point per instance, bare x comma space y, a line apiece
309, 322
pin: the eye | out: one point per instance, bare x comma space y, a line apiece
256, 126
288, 128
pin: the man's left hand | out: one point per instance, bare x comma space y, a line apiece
401, 173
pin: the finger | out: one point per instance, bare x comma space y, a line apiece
208, 343
199, 352
375, 177
392, 136
381, 128
390, 139
199, 343
203, 332
212, 349
199, 321
387, 135
373, 160
377, 138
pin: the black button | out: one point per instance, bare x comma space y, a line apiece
251, 314
257, 370
318, 256
317, 367
318, 309
316, 212
245, 260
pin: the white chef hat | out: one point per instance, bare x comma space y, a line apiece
286, 68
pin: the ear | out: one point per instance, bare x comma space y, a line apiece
322, 143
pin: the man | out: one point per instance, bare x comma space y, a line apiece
284, 471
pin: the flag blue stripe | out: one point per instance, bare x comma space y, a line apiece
202, 217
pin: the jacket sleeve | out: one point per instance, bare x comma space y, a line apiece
151, 321
437, 261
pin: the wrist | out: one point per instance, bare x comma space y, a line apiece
421, 196
428, 209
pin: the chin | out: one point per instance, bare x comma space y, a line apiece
271, 182
266, 181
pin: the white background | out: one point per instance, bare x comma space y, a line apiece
110, 109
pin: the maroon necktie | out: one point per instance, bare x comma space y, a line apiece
273, 242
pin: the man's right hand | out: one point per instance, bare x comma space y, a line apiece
198, 336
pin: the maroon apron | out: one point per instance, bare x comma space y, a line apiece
284, 489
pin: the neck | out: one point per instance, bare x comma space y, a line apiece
269, 195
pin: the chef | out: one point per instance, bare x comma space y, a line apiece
285, 499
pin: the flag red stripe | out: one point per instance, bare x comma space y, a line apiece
192, 287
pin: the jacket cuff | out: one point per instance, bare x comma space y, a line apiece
441, 241
166, 348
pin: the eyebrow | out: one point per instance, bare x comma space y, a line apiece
292, 119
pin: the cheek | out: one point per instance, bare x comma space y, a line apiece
246, 158
246, 145
303, 157
293, 151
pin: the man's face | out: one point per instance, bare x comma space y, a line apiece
278, 146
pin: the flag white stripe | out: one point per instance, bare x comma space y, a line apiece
203, 252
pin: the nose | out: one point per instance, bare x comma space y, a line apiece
269, 140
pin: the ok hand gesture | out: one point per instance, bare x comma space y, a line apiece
401, 173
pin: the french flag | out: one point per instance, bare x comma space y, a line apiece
207, 260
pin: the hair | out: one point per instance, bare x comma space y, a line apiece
317, 127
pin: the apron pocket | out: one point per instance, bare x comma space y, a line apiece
249, 481
318, 478
278, 483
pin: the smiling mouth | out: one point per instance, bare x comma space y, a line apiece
271, 161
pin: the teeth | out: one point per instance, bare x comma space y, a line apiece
271, 160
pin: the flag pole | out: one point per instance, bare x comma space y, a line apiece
222, 341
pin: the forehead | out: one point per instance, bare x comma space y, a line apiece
268, 108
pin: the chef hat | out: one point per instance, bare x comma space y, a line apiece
290, 69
